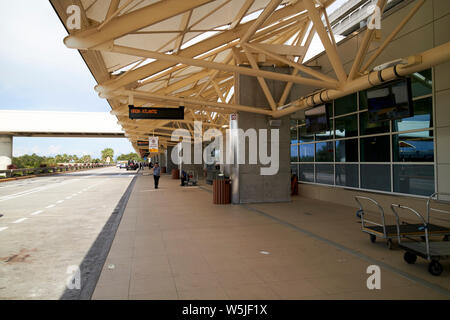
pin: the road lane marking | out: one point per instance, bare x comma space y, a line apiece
20, 220
60, 201
50, 206
31, 191
69, 197
3, 228
37, 212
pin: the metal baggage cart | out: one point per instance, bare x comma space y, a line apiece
391, 231
432, 251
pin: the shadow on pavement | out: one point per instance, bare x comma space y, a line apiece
92, 264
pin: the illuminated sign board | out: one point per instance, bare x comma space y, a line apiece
156, 113
142, 143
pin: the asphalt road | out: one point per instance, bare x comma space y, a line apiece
48, 226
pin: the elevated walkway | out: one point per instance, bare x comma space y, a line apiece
30, 123
173, 243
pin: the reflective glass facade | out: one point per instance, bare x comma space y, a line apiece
391, 156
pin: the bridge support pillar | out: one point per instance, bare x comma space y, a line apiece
6, 150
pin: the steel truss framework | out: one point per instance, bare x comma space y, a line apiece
171, 52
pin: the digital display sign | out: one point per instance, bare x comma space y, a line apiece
156, 113
142, 143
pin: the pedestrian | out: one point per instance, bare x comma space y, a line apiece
156, 174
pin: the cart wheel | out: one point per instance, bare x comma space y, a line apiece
373, 238
409, 257
390, 244
359, 213
445, 238
435, 268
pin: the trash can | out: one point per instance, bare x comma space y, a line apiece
163, 170
222, 191
294, 185
175, 174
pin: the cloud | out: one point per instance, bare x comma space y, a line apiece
53, 150
37, 70
35, 149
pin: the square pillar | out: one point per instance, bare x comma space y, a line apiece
6, 151
249, 185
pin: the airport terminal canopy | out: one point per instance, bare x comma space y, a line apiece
169, 53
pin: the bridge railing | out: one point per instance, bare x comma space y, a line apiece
15, 173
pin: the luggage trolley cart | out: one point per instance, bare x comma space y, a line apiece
433, 251
375, 229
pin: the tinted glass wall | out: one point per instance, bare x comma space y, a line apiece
390, 156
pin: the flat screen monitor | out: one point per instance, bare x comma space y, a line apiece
390, 101
317, 119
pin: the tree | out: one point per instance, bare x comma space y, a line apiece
32, 161
86, 159
108, 152
130, 156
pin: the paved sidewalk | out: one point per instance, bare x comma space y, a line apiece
173, 243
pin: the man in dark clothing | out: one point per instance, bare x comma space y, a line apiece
156, 174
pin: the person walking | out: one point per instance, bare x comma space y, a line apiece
156, 174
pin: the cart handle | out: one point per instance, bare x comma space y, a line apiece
358, 200
429, 201
425, 223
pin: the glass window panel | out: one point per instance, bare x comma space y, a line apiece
303, 136
376, 177
294, 169
294, 137
345, 105
326, 135
325, 173
307, 152
347, 150
347, 126
363, 100
324, 152
423, 117
413, 147
330, 109
414, 179
294, 153
367, 127
347, 175
422, 83
306, 172
375, 149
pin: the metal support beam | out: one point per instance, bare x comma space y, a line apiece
221, 66
130, 22
328, 45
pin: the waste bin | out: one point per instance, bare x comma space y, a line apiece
222, 191
175, 174
163, 169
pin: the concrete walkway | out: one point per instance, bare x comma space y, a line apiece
173, 243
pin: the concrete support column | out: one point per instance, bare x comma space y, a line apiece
163, 159
196, 167
170, 164
249, 185
6, 150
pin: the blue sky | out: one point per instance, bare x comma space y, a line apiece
39, 73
